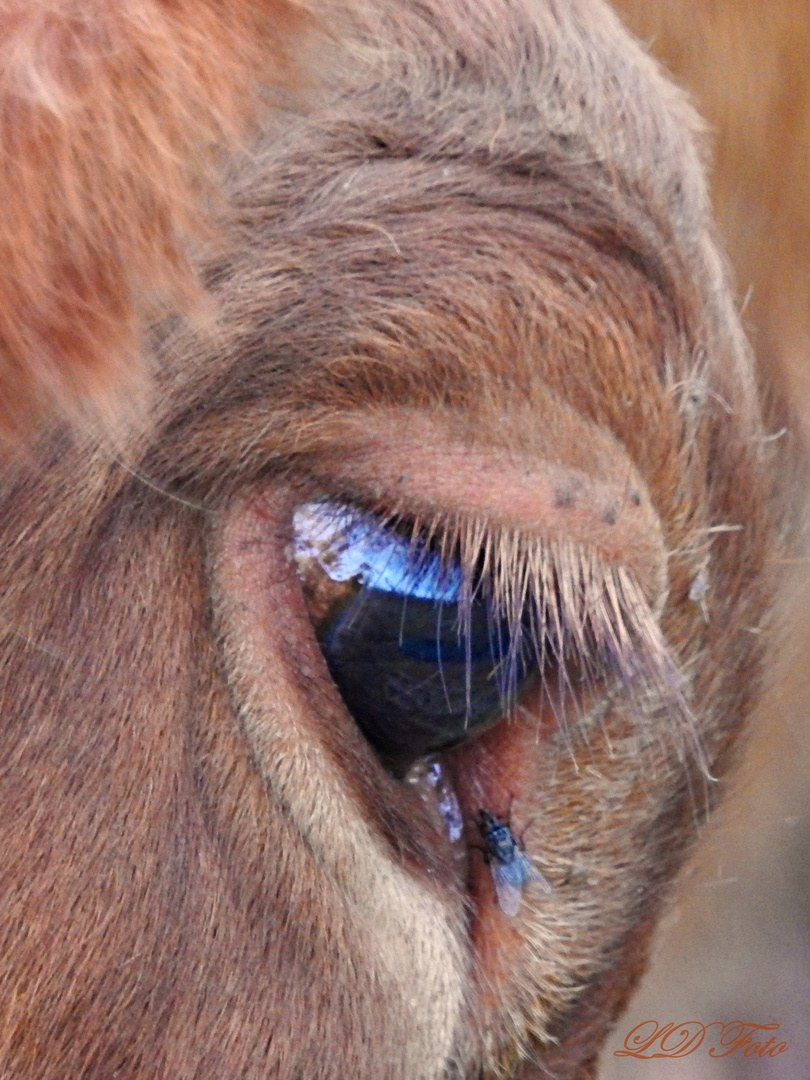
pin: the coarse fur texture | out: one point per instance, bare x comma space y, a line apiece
472, 289
114, 119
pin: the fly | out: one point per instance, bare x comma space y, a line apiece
511, 868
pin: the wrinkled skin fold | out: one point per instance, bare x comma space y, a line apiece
474, 285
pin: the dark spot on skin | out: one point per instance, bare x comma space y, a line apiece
565, 497
610, 516
635, 498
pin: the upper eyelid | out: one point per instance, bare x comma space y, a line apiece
412, 464
513, 568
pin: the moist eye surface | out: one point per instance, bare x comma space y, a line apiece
418, 652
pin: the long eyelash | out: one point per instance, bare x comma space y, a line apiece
563, 603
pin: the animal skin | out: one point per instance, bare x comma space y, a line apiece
464, 281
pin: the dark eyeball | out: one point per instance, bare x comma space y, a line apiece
419, 656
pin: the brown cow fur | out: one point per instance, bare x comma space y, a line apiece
473, 290
110, 116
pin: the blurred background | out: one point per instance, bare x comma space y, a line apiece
736, 944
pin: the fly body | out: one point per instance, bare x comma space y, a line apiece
511, 868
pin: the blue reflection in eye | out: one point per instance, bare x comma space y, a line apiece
349, 545
419, 663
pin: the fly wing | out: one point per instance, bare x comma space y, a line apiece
511, 878
507, 889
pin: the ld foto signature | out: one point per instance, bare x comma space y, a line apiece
647, 1040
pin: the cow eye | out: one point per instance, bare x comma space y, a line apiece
419, 654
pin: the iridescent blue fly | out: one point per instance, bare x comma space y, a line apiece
511, 868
